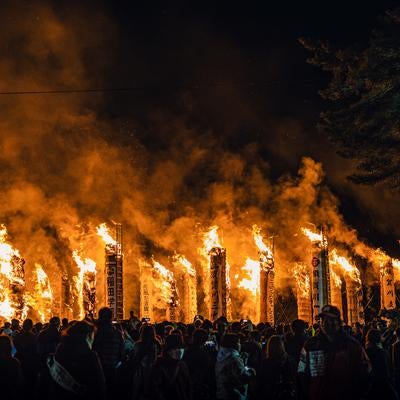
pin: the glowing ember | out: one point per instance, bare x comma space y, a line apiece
313, 236
252, 280
260, 243
103, 232
344, 263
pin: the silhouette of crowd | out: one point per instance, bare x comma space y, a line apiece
137, 360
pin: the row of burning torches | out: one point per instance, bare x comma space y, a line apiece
158, 286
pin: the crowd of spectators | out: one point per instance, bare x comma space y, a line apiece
137, 360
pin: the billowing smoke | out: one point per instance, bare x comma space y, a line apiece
66, 167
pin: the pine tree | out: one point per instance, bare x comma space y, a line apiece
364, 92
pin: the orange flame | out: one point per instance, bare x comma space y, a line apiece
210, 240
43, 296
344, 263
167, 283
302, 277
182, 260
380, 258
252, 281
7, 254
43, 282
258, 239
103, 232
335, 278
85, 266
312, 236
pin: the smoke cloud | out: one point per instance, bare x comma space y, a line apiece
67, 167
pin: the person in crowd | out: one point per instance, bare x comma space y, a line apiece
37, 328
252, 346
387, 333
381, 373
333, 365
142, 360
358, 333
74, 371
396, 361
277, 377
232, 375
109, 345
64, 324
11, 378
201, 366
6, 329
133, 320
26, 353
48, 339
170, 378
295, 342
15, 327
198, 323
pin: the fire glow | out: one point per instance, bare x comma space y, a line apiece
103, 232
249, 277
347, 267
252, 280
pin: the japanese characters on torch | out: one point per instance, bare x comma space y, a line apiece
320, 268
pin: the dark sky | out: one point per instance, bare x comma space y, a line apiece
239, 72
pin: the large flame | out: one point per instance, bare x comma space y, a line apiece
210, 240
258, 239
313, 236
7, 252
8, 257
103, 232
335, 279
86, 266
43, 298
252, 280
43, 282
183, 261
344, 263
380, 258
302, 277
167, 283
396, 263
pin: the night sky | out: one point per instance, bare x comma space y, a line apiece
240, 72
236, 72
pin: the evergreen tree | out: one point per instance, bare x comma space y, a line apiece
364, 118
